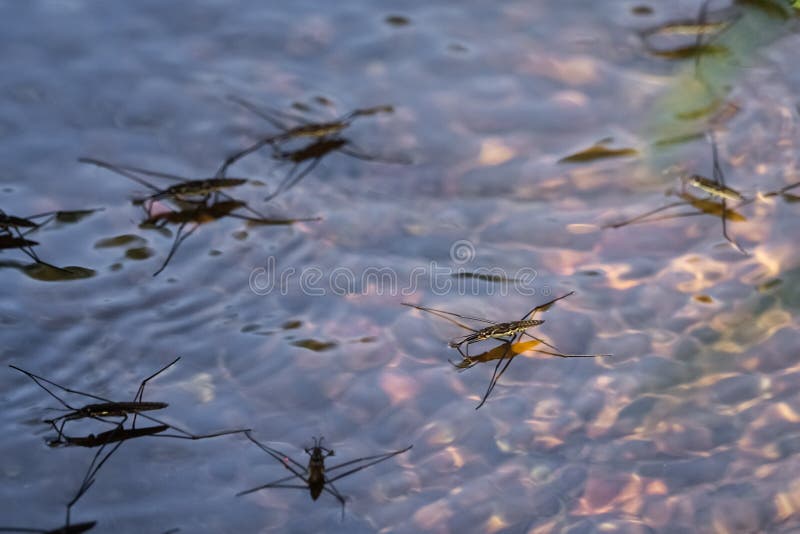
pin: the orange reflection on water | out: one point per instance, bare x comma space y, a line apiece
434, 516
495, 524
494, 152
398, 387
787, 503
705, 272
604, 493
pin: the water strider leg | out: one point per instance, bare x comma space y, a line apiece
292, 179
179, 239
644, 216
140, 391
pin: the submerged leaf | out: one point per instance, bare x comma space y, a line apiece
313, 344
74, 216
119, 241
139, 253
498, 352
773, 8
598, 151
49, 273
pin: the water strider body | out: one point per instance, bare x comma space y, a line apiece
106, 409
74, 528
305, 128
507, 332
713, 188
326, 137
9, 222
194, 188
114, 435
315, 475
185, 188
109, 408
8, 241
497, 331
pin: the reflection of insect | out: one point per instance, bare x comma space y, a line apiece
75, 528
508, 332
108, 408
87, 482
114, 435
13, 236
203, 213
325, 137
314, 477
715, 188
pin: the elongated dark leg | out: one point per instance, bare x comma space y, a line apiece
336, 493
276, 484
495, 375
185, 434
39, 380
121, 171
293, 178
230, 160
644, 216
154, 174
140, 391
270, 115
725, 231
89, 478
540, 340
562, 355
358, 154
372, 460
179, 239
278, 455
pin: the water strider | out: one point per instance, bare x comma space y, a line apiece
98, 461
14, 231
185, 189
115, 435
314, 475
199, 202
203, 213
107, 408
315, 152
508, 332
713, 188
719, 194
302, 129
325, 138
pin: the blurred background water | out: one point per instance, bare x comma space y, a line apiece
693, 424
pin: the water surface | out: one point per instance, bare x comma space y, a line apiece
691, 425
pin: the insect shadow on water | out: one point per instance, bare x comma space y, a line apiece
715, 203
507, 332
315, 476
107, 409
98, 460
325, 138
87, 482
14, 231
198, 201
